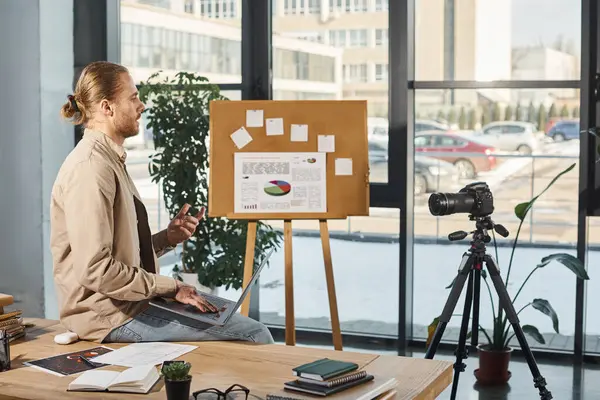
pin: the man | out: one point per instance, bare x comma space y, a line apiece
105, 259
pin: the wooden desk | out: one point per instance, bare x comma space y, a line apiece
261, 368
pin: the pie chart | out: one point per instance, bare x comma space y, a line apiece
277, 188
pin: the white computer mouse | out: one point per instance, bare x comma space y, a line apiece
66, 338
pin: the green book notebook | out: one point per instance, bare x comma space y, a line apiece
324, 369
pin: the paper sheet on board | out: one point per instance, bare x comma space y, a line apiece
274, 126
241, 137
254, 118
343, 166
280, 182
299, 133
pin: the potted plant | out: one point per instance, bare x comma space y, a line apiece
178, 115
177, 379
494, 354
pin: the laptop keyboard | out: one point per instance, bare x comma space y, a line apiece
217, 302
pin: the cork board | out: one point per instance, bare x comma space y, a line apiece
345, 120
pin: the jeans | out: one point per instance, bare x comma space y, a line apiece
158, 325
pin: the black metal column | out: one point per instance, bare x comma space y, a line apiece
96, 35
256, 50
401, 152
587, 156
257, 67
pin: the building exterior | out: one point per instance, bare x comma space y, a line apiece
167, 35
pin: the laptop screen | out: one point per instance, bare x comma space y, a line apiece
254, 278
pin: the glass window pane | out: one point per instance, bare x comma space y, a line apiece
205, 47
497, 40
517, 162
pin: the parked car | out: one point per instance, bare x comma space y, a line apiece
468, 155
523, 137
564, 130
434, 175
430, 125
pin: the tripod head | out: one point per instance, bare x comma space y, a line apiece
482, 226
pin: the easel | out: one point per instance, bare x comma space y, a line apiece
347, 194
290, 323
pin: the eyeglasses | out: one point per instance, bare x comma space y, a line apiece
237, 392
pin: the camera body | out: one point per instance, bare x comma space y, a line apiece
475, 199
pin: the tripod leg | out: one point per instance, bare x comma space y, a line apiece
511, 314
461, 278
462, 351
476, 291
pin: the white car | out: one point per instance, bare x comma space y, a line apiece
519, 136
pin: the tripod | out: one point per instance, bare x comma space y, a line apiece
470, 267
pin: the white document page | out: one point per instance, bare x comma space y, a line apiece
254, 118
241, 137
95, 379
135, 375
326, 143
343, 166
149, 353
280, 182
299, 133
274, 126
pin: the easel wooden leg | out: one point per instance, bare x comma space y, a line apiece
290, 320
249, 263
333, 309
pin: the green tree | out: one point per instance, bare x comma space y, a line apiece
452, 117
542, 118
509, 113
496, 112
519, 113
531, 113
462, 118
553, 113
472, 118
441, 115
564, 111
576, 112
485, 115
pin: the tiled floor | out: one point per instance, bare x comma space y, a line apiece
564, 381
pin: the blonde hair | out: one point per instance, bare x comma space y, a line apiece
98, 81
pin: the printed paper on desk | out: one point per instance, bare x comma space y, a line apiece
274, 126
254, 118
343, 166
241, 137
326, 143
145, 353
299, 133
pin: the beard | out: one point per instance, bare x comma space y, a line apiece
127, 127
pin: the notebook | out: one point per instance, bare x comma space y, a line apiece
352, 376
320, 390
133, 380
324, 369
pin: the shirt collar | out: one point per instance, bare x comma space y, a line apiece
118, 150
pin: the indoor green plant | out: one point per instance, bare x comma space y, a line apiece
178, 115
177, 379
494, 356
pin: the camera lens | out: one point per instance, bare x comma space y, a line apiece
450, 203
438, 204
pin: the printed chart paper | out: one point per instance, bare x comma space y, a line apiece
280, 182
145, 353
254, 118
299, 133
274, 126
241, 137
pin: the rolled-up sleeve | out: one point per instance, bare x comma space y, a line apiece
89, 196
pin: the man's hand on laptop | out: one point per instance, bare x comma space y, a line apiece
188, 295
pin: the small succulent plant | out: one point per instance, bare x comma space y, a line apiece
177, 371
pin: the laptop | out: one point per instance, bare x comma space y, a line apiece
227, 307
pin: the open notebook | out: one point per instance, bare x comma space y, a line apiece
133, 380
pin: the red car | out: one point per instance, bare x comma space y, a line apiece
469, 156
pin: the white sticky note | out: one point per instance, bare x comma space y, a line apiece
343, 166
299, 133
274, 126
241, 137
326, 143
254, 118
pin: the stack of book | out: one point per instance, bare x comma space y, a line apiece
325, 377
11, 322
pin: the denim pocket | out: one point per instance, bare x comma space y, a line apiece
126, 335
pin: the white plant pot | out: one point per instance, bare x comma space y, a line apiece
190, 278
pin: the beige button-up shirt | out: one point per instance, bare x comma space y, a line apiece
99, 277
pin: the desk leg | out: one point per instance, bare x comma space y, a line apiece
333, 308
290, 320
248, 263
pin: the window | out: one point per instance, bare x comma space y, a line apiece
314, 6
356, 73
166, 4
381, 37
381, 5
358, 38
188, 6
337, 38
381, 72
